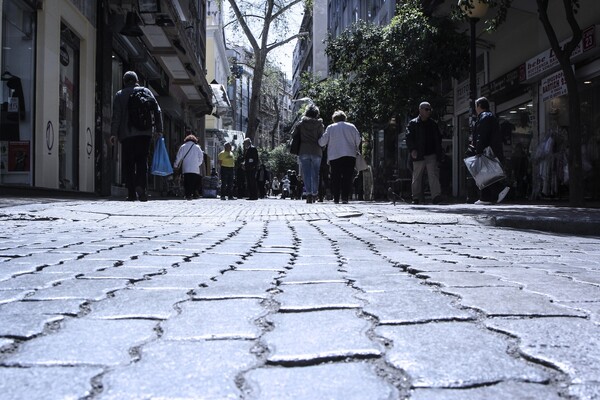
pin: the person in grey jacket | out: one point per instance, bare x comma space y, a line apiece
135, 143
342, 140
310, 130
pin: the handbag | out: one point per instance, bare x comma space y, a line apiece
485, 168
361, 163
295, 144
161, 165
177, 171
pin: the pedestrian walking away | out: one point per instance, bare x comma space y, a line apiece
190, 157
226, 160
424, 143
136, 119
342, 140
487, 133
310, 129
250, 167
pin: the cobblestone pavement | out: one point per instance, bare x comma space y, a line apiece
278, 299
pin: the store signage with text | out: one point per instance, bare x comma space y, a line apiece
547, 60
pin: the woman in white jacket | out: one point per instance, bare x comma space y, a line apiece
189, 157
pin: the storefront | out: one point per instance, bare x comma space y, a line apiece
549, 172
47, 94
18, 30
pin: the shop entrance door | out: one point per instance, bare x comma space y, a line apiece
68, 154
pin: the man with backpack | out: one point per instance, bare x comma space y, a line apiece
136, 118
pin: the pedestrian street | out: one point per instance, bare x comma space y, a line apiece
279, 299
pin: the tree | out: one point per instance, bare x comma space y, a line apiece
258, 19
563, 55
386, 71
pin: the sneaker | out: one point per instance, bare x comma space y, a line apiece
416, 201
483, 203
437, 200
502, 194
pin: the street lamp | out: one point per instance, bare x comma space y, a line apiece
474, 10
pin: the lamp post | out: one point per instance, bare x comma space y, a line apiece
474, 10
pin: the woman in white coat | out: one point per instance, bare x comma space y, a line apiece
190, 157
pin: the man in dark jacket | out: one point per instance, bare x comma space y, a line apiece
487, 133
250, 167
424, 143
136, 143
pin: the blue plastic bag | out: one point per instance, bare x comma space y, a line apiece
161, 165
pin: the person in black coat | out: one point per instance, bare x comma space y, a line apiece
250, 168
424, 143
487, 133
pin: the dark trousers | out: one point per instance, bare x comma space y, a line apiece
251, 186
135, 152
490, 193
342, 175
191, 183
227, 182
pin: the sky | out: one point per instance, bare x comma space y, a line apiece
282, 56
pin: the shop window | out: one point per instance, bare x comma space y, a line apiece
16, 93
517, 131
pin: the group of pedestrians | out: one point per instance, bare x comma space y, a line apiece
424, 144
341, 141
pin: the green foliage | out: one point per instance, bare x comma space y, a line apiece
384, 71
279, 160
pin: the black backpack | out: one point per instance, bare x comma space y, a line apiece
141, 108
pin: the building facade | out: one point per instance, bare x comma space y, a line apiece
62, 62
516, 70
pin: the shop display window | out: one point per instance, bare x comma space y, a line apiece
16, 92
517, 132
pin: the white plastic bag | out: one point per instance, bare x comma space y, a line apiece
485, 168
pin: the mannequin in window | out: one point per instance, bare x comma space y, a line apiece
12, 108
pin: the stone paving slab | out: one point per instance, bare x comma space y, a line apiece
87, 289
166, 281
571, 344
158, 375
47, 307
454, 355
121, 273
411, 306
499, 391
464, 279
145, 261
8, 296
83, 266
25, 325
85, 341
316, 296
139, 303
215, 319
9, 270
504, 301
34, 281
348, 381
266, 261
325, 335
47, 382
5, 344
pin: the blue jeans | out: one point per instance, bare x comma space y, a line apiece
311, 164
